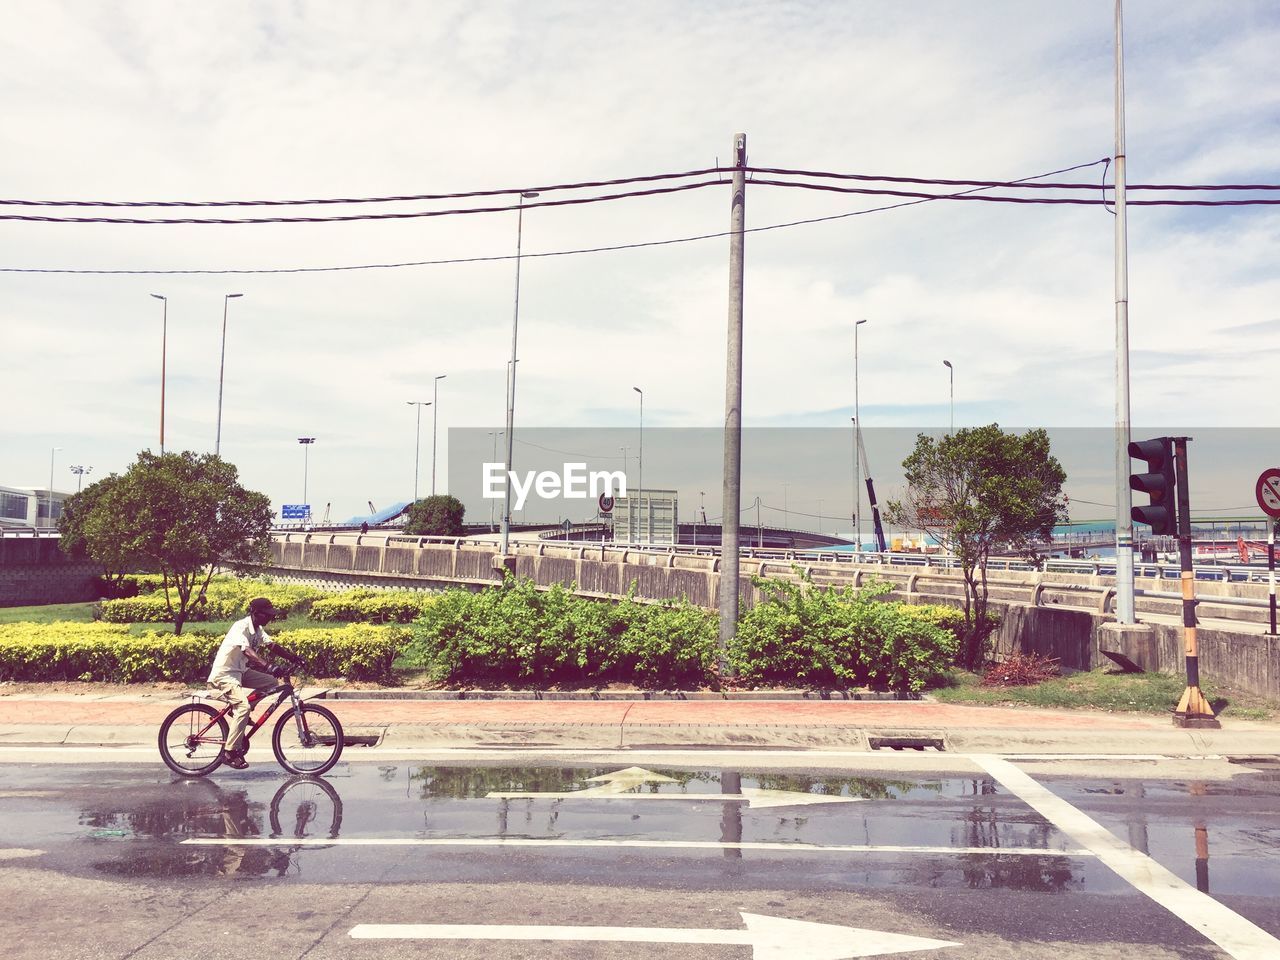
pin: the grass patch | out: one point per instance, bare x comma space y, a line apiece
48, 613
1106, 689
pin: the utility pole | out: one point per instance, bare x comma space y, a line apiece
732, 505
1124, 499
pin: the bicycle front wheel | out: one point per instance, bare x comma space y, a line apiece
191, 740
307, 741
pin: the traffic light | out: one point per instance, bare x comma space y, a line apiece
1159, 482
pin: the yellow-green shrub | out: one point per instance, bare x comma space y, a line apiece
371, 606
226, 599
106, 652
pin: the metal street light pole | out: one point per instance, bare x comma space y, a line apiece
952, 377
49, 504
857, 456
1125, 610
435, 409
164, 349
495, 434
417, 442
222, 365
643, 527
80, 471
306, 454
511, 379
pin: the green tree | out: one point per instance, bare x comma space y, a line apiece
436, 516
181, 515
79, 524
978, 491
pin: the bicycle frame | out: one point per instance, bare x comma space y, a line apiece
285, 691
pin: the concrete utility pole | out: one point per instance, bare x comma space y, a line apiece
732, 500
435, 413
1124, 498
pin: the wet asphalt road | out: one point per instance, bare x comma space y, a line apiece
123, 861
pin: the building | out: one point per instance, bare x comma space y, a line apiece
29, 507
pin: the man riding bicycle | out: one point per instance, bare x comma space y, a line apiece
239, 669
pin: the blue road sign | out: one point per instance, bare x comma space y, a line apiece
295, 511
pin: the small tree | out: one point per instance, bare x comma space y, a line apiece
79, 525
177, 514
436, 516
976, 491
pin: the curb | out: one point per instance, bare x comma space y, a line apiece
623, 695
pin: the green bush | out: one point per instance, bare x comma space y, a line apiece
106, 652
226, 599
516, 635
837, 639
672, 646
371, 606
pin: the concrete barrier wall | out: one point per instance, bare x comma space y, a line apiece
35, 571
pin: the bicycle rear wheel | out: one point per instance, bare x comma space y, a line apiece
308, 742
191, 740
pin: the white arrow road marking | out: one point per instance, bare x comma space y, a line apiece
770, 938
772, 846
1232, 932
614, 786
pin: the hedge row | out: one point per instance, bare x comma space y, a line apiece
519, 636
226, 599
371, 606
107, 652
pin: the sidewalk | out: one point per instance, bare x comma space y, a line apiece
133, 719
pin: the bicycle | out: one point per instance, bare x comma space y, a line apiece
307, 739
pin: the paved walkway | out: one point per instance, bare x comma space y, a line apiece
35, 718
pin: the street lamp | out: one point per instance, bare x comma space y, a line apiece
952, 376
435, 409
222, 365
80, 471
49, 505
417, 441
495, 434
511, 380
640, 468
857, 452
164, 343
306, 455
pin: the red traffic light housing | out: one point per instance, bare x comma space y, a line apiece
1159, 482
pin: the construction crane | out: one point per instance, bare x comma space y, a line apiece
871, 496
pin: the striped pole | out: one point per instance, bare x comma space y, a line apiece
1193, 709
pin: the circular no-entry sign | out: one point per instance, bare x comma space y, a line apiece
1268, 492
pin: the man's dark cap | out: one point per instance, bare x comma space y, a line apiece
262, 605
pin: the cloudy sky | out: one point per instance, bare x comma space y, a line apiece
255, 101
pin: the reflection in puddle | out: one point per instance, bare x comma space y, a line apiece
944, 832
303, 808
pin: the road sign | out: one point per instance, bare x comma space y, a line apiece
1268, 492
606, 503
295, 511
566, 526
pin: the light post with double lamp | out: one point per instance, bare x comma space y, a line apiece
952, 376
435, 410
417, 441
222, 365
857, 451
643, 526
306, 456
511, 379
80, 471
49, 503
164, 349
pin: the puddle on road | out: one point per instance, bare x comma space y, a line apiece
132, 824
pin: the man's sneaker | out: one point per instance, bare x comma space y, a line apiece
236, 761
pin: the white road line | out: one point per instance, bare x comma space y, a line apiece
1233, 933
759, 846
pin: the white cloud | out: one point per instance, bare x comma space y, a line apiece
325, 99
